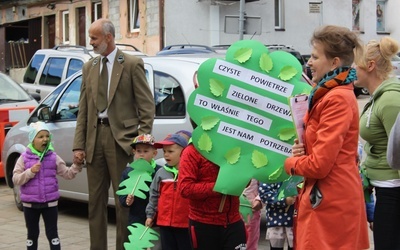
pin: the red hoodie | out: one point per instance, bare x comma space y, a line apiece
196, 180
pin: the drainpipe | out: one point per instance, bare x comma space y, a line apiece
161, 24
241, 19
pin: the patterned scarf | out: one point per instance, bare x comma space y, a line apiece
337, 77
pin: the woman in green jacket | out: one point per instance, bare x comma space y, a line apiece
378, 116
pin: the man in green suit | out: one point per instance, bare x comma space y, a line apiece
106, 124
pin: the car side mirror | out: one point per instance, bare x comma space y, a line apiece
36, 96
44, 114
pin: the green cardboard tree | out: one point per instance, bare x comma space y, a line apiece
242, 112
140, 237
135, 184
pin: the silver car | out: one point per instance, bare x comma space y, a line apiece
396, 65
171, 79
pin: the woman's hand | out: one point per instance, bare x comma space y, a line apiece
298, 148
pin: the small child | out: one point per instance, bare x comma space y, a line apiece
36, 171
253, 223
279, 214
214, 218
142, 148
166, 206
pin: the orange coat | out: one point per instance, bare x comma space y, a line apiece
331, 138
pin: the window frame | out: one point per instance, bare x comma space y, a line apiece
279, 17
65, 27
96, 14
381, 25
133, 16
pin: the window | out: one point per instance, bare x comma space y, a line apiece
33, 69
279, 17
356, 14
65, 26
168, 96
380, 16
68, 105
52, 72
134, 19
97, 12
74, 66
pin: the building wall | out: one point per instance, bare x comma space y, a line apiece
203, 21
193, 23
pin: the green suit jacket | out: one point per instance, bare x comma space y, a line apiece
130, 103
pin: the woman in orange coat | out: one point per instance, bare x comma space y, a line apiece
331, 209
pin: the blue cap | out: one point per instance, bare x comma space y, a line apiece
172, 139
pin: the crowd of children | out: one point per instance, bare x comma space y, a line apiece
180, 202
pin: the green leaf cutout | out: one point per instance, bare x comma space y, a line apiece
136, 184
285, 134
140, 237
233, 155
245, 209
275, 175
243, 54
208, 122
205, 143
287, 73
259, 159
289, 186
216, 87
266, 63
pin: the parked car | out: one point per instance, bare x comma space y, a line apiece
271, 47
15, 105
179, 49
49, 67
308, 70
396, 65
171, 79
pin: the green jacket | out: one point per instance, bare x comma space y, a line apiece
376, 121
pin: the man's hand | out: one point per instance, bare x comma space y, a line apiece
79, 157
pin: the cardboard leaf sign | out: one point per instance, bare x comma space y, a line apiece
289, 187
245, 209
242, 112
140, 237
136, 183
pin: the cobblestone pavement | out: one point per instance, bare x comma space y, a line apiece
73, 225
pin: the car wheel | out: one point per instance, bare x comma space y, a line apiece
357, 91
17, 194
17, 197
364, 91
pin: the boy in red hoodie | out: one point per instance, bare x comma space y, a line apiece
214, 219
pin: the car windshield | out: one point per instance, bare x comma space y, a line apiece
11, 91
